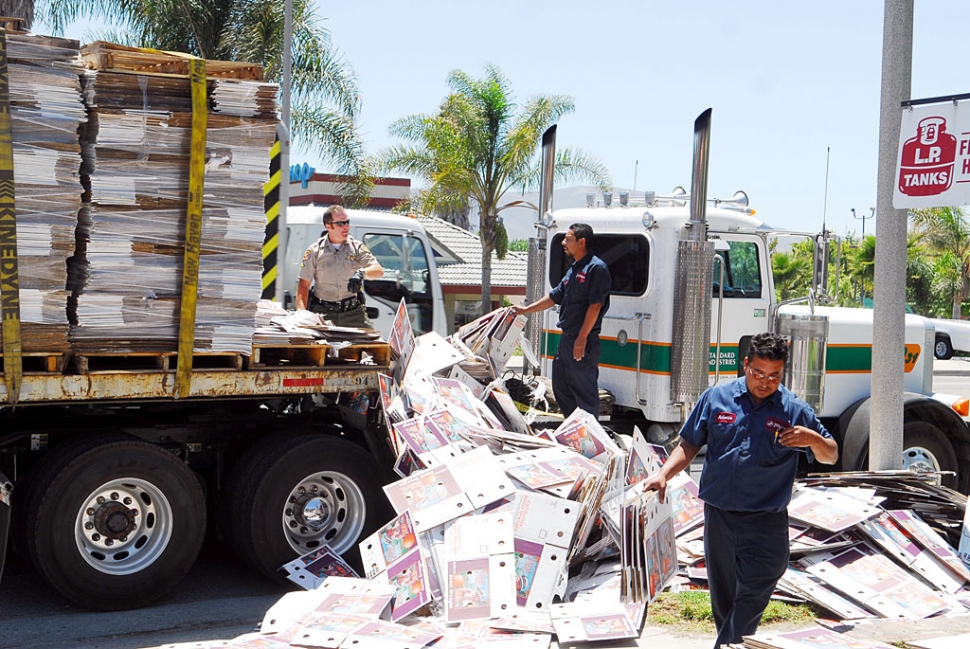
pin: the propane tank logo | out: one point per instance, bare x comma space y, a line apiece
927, 160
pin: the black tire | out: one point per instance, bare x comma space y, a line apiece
943, 349
135, 550
264, 506
925, 446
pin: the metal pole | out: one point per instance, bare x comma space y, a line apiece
281, 278
889, 299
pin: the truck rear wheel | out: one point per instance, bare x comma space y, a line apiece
113, 523
926, 448
298, 493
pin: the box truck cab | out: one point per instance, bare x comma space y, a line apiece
402, 247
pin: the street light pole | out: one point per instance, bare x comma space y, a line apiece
864, 218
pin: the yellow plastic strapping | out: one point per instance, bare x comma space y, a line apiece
9, 267
193, 229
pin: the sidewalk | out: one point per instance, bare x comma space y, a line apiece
956, 366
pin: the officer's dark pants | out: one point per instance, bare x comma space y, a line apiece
747, 553
576, 383
353, 318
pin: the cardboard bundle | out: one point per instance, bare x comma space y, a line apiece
127, 278
45, 112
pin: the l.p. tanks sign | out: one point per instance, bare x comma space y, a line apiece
933, 165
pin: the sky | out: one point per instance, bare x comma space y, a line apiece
786, 81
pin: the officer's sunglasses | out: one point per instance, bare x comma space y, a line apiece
340, 224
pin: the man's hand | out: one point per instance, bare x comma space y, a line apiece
579, 348
656, 483
826, 450
356, 281
519, 309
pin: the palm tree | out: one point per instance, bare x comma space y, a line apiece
18, 9
324, 93
477, 147
947, 233
793, 274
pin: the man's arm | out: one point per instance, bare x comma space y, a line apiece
825, 449
592, 312
302, 293
373, 270
679, 459
541, 304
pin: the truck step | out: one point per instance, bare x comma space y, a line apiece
86, 363
41, 362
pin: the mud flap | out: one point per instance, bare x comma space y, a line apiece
5, 488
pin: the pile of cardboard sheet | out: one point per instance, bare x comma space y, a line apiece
857, 553
127, 276
503, 534
45, 113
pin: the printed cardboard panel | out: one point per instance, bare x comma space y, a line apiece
644, 459
688, 509
326, 631
545, 519
388, 635
539, 569
388, 544
471, 537
313, 568
480, 476
432, 495
829, 510
480, 588
413, 588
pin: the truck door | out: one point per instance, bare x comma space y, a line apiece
746, 297
406, 275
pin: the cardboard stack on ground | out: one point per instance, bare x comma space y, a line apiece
513, 536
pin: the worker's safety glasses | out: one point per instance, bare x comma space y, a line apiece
340, 224
761, 376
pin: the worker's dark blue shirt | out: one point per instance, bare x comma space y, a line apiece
745, 469
586, 282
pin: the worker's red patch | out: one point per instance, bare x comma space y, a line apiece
726, 417
776, 425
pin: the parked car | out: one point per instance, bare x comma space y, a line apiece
951, 336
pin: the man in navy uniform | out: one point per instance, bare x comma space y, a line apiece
583, 297
755, 430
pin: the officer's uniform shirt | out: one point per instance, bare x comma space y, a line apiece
586, 282
331, 269
746, 469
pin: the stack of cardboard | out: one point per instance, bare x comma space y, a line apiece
127, 277
45, 113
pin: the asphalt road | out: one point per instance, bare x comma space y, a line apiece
219, 599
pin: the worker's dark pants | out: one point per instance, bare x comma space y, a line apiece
747, 553
356, 317
576, 383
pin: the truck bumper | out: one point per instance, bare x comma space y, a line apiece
5, 488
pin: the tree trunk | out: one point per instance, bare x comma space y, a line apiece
487, 235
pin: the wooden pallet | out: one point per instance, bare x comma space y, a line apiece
379, 352
102, 55
41, 362
86, 363
288, 355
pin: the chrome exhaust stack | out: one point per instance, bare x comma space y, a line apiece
690, 351
535, 285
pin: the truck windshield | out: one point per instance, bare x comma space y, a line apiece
628, 257
406, 275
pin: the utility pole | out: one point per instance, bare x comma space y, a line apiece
864, 218
889, 299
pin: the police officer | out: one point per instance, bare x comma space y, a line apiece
583, 297
755, 430
337, 264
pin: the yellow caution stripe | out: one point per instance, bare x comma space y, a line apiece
271, 206
9, 266
193, 229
